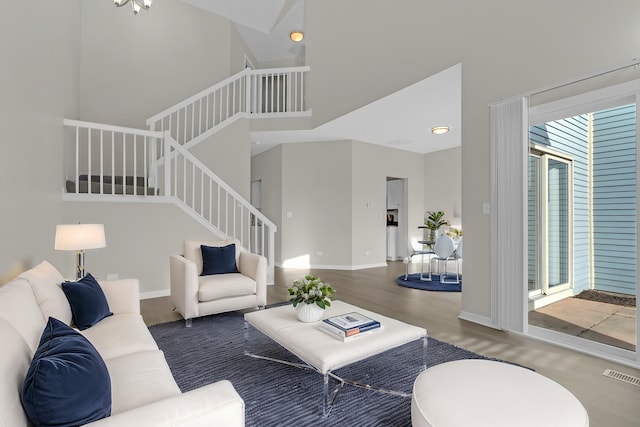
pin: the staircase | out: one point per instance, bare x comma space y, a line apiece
115, 163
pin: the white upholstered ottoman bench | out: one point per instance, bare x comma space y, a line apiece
480, 393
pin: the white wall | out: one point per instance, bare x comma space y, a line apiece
372, 164
140, 238
336, 193
316, 190
228, 154
442, 183
125, 60
40, 68
93, 61
506, 48
135, 66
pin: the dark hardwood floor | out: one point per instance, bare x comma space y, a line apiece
610, 403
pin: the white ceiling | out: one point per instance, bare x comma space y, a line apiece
264, 25
402, 120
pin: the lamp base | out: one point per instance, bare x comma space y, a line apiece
80, 265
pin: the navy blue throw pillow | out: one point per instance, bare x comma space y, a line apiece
87, 301
67, 383
218, 259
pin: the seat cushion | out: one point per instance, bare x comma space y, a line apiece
119, 335
46, 283
224, 286
218, 259
67, 383
139, 379
87, 300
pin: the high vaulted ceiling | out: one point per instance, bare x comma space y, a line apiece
264, 25
402, 120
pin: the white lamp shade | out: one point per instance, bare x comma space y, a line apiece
75, 237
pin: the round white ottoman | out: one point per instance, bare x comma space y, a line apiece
486, 393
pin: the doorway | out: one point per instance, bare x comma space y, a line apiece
256, 226
582, 224
397, 218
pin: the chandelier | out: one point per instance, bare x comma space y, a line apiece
136, 5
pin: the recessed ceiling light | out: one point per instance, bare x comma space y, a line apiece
440, 130
296, 36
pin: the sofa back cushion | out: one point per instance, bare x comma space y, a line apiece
19, 307
193, 252
46, 281
14, 362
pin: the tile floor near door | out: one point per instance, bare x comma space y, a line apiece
596, 321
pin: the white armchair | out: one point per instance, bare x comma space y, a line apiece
194, 295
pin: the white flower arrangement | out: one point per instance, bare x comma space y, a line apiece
311, 290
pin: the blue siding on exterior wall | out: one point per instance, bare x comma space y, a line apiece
614, 199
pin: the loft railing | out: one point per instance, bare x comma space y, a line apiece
120, 163
256, 93
110, 160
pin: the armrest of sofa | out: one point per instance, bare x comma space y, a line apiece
216, 404
255, 266
123, 296
184, 286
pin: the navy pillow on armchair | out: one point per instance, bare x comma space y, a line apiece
67, 383
218, 259
87, 301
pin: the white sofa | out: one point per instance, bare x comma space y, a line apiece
194, 295
143, 390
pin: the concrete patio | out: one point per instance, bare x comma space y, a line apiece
597, 321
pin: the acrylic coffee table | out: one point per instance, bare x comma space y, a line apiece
324, 353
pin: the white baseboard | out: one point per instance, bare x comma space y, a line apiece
348, 267
335, 267
476, 318
155, 294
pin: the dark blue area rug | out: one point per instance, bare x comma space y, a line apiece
413, 281
280, 395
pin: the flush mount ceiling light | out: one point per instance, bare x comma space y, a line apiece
296, 36
438, 130
136, 5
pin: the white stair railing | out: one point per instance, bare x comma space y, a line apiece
250, 93
209, 200
119, 163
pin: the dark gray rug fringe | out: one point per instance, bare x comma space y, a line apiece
279, 395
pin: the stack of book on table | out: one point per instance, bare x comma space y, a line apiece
350, 326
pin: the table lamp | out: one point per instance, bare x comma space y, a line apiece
78, 237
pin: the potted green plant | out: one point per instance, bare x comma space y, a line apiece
310, 296
433, 221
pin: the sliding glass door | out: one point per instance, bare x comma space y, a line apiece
550, 223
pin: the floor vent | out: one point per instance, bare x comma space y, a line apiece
622, 377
